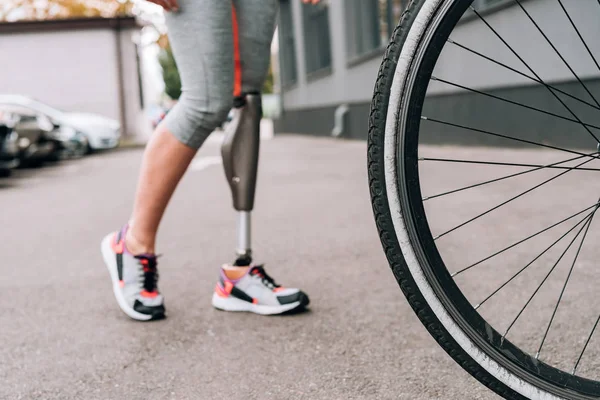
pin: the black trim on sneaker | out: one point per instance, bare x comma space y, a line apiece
120, 266
154, 311
293, 298
235, 292
119, 258
240, 294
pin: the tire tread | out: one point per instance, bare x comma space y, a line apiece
382, 214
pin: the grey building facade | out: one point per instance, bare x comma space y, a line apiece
330, 55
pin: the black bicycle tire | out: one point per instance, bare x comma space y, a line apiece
382, 213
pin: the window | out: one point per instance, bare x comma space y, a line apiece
287, 44
317, 42
11, 115
138, 64
370, 24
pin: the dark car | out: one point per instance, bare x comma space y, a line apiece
41, 140
9, 150
35, 143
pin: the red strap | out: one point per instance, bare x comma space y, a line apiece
237, 62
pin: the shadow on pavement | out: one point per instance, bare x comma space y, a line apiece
297, 311
7, 183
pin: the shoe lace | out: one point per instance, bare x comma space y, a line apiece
149, 272
259, 271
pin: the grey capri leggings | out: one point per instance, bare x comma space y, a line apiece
205, 37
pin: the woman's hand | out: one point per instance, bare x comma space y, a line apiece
169, 5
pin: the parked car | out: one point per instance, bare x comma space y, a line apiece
9, 150
74, 144
36, 146
100, 132
32, 126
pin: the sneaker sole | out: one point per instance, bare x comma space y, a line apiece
111, 265
233, 304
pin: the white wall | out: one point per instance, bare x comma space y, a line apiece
74, 70
137, 123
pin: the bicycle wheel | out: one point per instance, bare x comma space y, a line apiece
493, 246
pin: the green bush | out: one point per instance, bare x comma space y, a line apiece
170, 73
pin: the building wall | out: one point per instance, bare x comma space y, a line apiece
138, 124
74, 70
517, 30
309, 104
344, 83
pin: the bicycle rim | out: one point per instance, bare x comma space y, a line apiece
441, 269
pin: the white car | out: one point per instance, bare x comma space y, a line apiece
101, 132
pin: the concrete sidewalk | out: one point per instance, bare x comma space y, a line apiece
63, 336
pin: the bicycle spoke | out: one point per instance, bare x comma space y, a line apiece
530, 101
546, 278
500, 179
557, 52
523, 240
434, 78
588, 338
589, 223
538, 166
530, 263
533, 72
579, 33
511, 199
548, 86
437, 121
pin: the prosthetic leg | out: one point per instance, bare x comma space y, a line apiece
240, 151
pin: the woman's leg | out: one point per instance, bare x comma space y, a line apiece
165, 161
242, 287
254, 27
256, 21
201, 38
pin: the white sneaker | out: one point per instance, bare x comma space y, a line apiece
134, 279
256, 292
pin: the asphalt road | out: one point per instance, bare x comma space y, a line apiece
63, 336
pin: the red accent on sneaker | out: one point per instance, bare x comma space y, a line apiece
254, 301
279, 289
118, 247
220, 292
228, 287
121, 284
147, 294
